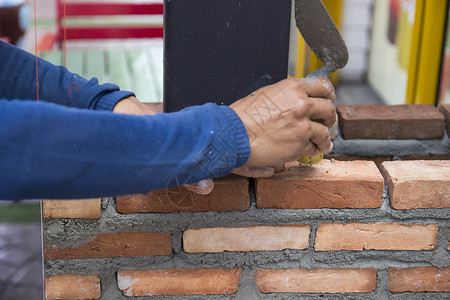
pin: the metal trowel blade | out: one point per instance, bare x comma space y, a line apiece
322, 36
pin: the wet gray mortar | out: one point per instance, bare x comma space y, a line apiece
72, 232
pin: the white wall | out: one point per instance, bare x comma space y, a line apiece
356, 30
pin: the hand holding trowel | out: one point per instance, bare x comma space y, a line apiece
322, 36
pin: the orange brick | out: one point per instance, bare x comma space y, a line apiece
445, 110
72, 209
375, 236
316, 280
72, 286
229, 194
202, 281
418, 184
419, 279
338, 184
252, 238
372, 121
445, 156
120, 244
378, 160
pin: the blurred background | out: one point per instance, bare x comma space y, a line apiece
399, 54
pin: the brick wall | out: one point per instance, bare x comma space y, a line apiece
369, 222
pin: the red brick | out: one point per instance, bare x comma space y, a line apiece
356, 184
316, 280
372, 121
426, 157
419, 279
378, 160
375, 236
72, 286
251, 238
202, 281
72, 209
120, 244
229, 194
418, 184
445, 110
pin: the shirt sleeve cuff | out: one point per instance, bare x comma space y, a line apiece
108, 101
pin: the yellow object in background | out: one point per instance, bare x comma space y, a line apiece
415, 52
431, 47
426, 50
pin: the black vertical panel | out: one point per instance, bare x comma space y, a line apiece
222, 50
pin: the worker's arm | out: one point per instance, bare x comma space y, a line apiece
50, 151
56, 83
131, 105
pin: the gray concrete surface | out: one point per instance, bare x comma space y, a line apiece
20, 262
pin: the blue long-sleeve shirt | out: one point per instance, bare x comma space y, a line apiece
76, 148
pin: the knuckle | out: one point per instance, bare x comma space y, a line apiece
301, 107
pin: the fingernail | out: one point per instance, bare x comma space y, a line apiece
204, 185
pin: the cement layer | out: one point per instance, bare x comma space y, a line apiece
396, 148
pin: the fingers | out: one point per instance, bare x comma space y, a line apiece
203, 187
322, 110
255, 172
320, 87
320, 138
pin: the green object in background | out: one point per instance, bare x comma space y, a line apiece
23, 212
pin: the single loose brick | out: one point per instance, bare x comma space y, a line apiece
251, 238
418, 184
375, 236
316, 280
419, 279
119, 244
72, 286
229, 194
373, 121
445, 110
202, 281
338, 184
72, 209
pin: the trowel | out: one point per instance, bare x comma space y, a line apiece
321, 34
